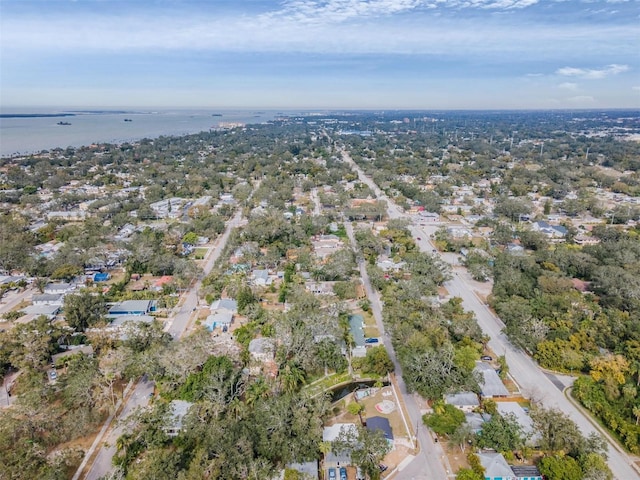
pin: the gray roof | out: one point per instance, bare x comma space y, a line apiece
131, 306
490, 385
47, 297
463, 399
220, 318
356, 324
524, 471
309, 469
476, 420
225, 304
261, 345
48, 310
495, 466
177, 411
524, 420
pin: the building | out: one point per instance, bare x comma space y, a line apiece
261, 278
48, 299
178, 409
224, 305
551, 231
59, 288
101, 277
49, 311
380, 423
331, 434
219, 319
465, 401
133, 307
262, 349
59, 358
356, 327
495, 466
521, 416
526, 472
491, 385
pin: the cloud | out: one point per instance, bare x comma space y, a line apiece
581, 100
636, 88
592, 74
568, 86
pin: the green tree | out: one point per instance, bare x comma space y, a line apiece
83, 310
378, 361
445, 420
502, 433
559, 467
367, 449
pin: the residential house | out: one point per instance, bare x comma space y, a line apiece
521, 416
261, 278
262, 349
465, 401
133, 307
48, 299
320, 288
491, 385
224, 305
526, 472
551, 231
308, 470
476, 420
34, 311
219, 319
59, 288
495, 466
356, 327
59, 358
331, 434
178, 409
381, 423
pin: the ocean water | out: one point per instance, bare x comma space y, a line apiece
32, 134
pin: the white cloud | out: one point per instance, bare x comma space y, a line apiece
592, 74
636, 88
568, 86
585, 100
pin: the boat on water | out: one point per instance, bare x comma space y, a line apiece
63, 123
128, 120
216, 114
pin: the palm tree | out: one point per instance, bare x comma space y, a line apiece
291, 377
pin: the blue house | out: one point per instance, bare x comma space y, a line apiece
133, 307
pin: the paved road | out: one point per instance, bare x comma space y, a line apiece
102, 463
185, 310
532, 380
429, 461
140, 397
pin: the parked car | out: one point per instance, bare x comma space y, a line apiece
53, 375
332, 474
486, 358
371, 340
343, 473
382, 467
418, 238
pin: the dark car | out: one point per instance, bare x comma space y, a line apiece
371, 340
382, 467
332, 474
486, 358
343, 473
418, 238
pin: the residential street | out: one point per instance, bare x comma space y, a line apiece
140, 397
428, 462
532, 381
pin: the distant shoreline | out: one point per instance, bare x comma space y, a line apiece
36, 115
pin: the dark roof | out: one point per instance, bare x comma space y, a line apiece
525, 470
380, 423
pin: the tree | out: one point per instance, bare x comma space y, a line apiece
378, 361
355, 408
557, 432
468, 474
367, 448
559, 467
83, 310
502, 433
445, 420
462, 436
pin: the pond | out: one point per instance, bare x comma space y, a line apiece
341, 391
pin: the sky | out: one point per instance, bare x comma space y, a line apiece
321, 54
